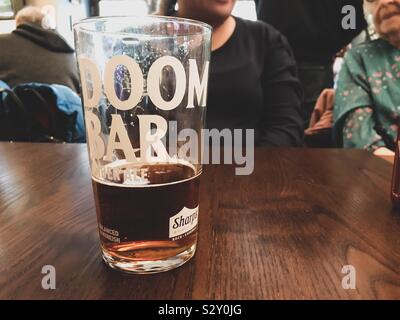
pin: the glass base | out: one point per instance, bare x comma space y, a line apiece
149, 266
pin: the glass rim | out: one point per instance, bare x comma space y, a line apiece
80, 25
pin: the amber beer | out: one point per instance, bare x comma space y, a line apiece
152, 217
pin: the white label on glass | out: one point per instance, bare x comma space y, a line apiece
183, 223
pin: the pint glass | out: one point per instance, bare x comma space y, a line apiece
144, 90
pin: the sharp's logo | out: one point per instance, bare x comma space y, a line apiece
183, 222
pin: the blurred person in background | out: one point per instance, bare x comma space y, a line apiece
367, 108
253, 81
314, 31
35, 52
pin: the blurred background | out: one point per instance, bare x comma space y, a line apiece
67, 12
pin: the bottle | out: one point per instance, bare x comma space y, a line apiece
395, 192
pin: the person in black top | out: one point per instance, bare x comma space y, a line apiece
34, 54
315, 32
253, 82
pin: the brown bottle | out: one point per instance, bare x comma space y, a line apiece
395, 192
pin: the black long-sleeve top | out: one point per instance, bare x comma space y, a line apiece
253, 84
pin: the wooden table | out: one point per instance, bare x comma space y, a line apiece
284, 232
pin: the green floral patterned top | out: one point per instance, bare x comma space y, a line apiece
367, 106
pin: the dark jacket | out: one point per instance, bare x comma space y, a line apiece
313, 27
32, 54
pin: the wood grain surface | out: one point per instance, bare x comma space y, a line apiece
285, 232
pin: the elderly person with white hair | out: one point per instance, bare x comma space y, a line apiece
34, 52
367, 107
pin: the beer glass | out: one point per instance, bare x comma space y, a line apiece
144, 90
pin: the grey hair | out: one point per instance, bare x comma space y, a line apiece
30, 14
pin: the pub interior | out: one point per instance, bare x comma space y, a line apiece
203, 149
